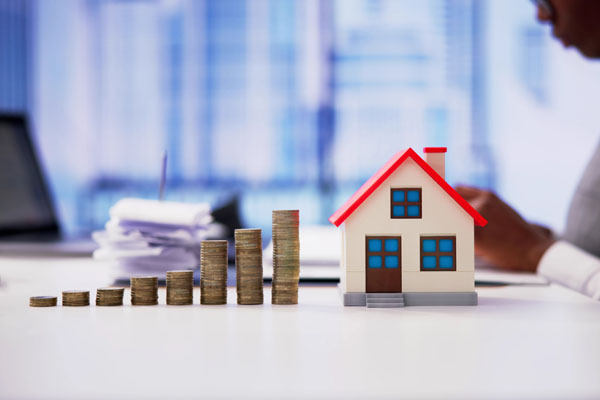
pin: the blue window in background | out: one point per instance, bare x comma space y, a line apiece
406, 203
383, 252
438, 253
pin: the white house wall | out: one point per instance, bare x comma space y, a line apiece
343, 285
441, 216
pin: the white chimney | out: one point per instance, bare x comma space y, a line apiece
436, 158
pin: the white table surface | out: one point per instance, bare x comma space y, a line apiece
520, 342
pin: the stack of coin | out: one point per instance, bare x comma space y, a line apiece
213, 278
180, 287
144, 291
75, 298
109, 296
42, 301
286, 256
248, 266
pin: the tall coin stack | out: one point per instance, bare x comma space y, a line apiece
248, 266
75, 298
109, 296
213, 277
286, 256
180, 287
144, 291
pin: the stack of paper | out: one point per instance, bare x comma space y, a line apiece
154, 235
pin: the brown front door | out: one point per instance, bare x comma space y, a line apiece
383, 264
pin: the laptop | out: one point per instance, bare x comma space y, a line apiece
28, 221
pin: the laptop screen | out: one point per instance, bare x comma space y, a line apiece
25, 205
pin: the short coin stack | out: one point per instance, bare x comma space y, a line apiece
213, 278
144, 291
42, 301
109, 296
180, 287
286, 256
75, 298
248, 266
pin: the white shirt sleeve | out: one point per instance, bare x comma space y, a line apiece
572, 267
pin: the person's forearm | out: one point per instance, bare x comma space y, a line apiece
572, 267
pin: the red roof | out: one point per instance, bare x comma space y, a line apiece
380, 176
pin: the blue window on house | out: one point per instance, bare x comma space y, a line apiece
406, 203
413, 211
391, 261
429, 262
413, 195
429, 245
374, 261
374, 244
398, 195
446, 262
398, 211
383, 252
446, 245
391, 245
438, 253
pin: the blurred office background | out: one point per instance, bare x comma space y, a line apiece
293, 103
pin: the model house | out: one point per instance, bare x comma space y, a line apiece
408, 237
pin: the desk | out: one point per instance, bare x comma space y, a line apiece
520, 342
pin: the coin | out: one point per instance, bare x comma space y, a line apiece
109, 296
248, 266
286, 256
213, 277
75, 298
144, 291
42, 301
180, 287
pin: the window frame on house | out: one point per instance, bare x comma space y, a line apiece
437, 253
406, 203
383, 253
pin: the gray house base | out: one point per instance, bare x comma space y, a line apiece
419, 299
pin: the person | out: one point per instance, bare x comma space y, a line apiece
509, 241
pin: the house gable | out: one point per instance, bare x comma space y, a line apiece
439, 212
385, 172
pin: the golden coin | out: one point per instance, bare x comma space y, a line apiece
213, 274
42, 301
286, 256
75, 298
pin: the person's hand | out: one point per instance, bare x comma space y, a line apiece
507, 241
